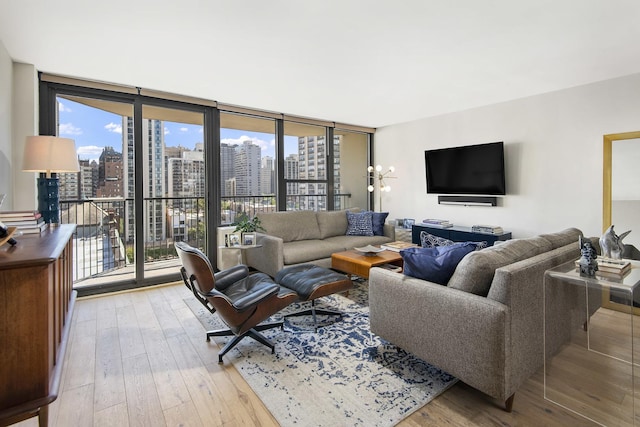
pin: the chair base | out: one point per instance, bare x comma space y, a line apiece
314, 311
253, 333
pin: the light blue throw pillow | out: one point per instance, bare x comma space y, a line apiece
435, 264
360, 224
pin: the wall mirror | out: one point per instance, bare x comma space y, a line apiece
621, 199
621, 185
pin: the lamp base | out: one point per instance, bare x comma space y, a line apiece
48, 203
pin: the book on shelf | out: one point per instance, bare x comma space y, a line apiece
432, 222
398, 246
490, 229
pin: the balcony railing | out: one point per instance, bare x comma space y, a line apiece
105, 233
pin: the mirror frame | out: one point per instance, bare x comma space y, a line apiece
606, 172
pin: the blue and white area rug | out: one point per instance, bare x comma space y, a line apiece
342, 375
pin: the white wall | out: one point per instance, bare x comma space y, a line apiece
553, 156
6, 79
25, 123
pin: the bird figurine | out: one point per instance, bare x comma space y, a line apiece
611, 244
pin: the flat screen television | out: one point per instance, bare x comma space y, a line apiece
472, 169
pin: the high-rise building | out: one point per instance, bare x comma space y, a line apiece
110, 179
153, 175
227, 169
312, 165
267, 176
88, 179
186, 179
291, 171
247, 169
68, 187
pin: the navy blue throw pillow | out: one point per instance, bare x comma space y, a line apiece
359, 224
435, 264
378, 222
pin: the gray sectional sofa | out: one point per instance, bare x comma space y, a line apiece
485, 326
299, 237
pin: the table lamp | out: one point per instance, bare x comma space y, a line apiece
47, 155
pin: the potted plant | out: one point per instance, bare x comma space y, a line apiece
245, 225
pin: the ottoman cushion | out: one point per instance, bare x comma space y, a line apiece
310, 281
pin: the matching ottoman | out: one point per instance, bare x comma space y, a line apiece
311, 282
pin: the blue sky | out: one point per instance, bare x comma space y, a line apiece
93, 129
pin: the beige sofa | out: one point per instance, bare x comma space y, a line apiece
484, 327
299, 237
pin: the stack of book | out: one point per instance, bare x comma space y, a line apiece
437, 223
397, 246
612, 267
491, 229
27, 222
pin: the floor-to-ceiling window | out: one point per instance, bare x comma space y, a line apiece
155, 171
141, 186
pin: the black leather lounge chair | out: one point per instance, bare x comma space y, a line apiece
241, 300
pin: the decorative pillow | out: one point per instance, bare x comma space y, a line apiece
430, 241
360, 224
435, 264
378, 220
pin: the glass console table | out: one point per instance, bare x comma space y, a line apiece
591, 353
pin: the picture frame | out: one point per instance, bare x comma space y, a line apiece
235, 239
408, 222
248, 239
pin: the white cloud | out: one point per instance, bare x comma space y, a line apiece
90, 152
166, 131
69, 129
184, 129
63, 108
264, 145
113, 127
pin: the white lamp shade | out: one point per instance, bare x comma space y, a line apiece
50, 154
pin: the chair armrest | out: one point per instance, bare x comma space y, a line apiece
226, 278
258, 293
268, 257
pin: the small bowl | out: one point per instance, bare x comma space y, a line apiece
369, 250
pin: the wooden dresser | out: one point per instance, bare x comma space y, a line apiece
36, 304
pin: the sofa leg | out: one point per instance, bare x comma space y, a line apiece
508, 404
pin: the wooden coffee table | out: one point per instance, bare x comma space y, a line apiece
354, 262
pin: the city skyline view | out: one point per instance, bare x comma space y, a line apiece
93, 129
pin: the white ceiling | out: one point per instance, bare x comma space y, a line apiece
364, 62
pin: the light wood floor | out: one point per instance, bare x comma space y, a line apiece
140, 359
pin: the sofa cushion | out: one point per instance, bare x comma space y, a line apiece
562, 238
377, 221
332, 223
290, 226
360, 224
435, 264
308, 250
475, 272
